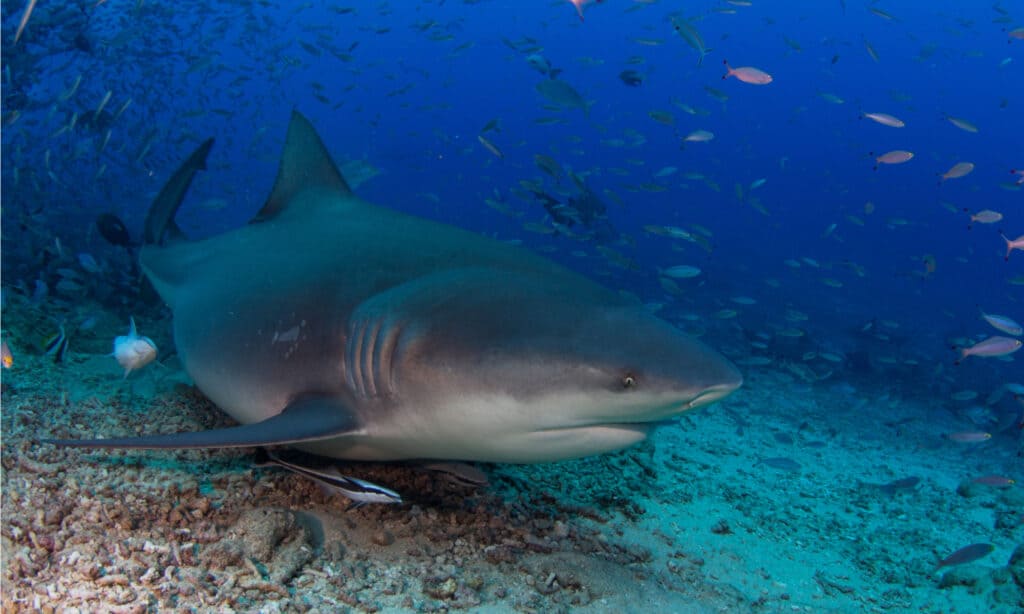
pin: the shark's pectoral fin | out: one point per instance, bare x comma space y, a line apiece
307, 419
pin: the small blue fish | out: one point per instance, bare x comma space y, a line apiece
87, 262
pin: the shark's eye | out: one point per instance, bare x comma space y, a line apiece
628, 381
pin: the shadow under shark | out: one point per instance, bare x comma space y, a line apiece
356, 332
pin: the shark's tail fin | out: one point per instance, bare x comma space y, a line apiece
160, 219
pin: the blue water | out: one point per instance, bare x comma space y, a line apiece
409, 86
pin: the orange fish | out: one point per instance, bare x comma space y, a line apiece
958, 170
6, 357
747, 74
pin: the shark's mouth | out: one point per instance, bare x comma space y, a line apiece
710, 395
660, 413
639, 427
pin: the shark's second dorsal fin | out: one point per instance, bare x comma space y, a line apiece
305, 164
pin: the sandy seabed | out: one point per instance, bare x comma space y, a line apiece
767, 502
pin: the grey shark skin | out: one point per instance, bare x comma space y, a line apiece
357, 332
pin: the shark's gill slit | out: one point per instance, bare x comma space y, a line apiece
357, 362
382, 359
370, 350
346, 362
394, 356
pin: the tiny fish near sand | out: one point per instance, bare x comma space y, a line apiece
967, 554
969, 437
781, 463
133, 351
57, 345
331, 479
896, 486
995, 481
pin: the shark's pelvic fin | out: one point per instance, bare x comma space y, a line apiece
160, 219
307, 419
305, 164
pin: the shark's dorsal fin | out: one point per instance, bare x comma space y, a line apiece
160, 219
305, 164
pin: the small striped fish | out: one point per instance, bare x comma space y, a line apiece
360, 491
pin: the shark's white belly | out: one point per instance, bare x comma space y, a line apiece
499, 429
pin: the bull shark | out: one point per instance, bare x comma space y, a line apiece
353, 331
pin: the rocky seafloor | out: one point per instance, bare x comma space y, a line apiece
771, 501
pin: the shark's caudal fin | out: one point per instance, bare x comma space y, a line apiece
160, 219
304, 420
305, 164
